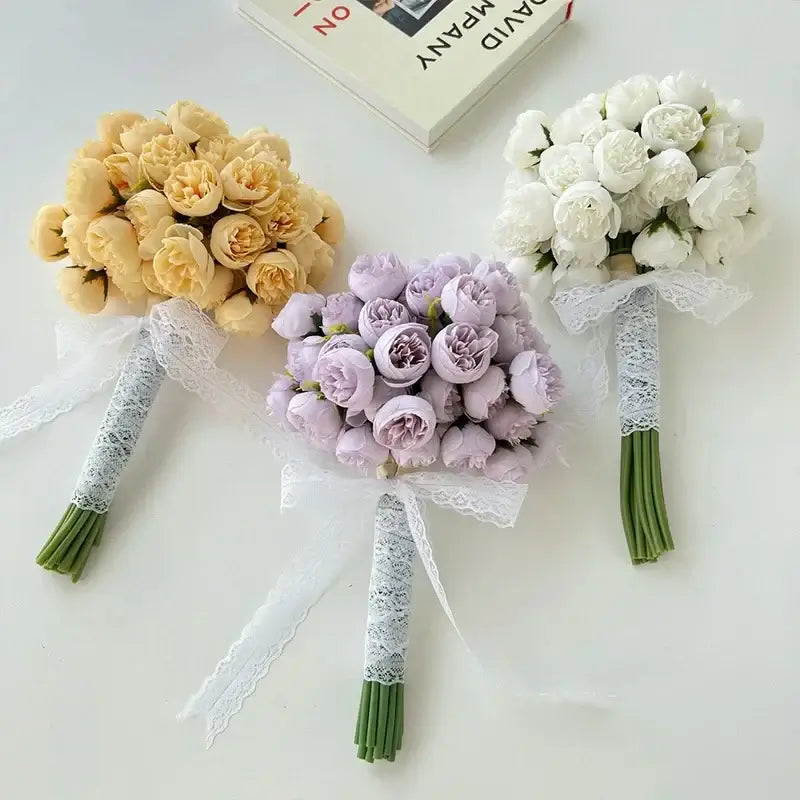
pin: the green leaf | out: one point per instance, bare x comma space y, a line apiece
544, 261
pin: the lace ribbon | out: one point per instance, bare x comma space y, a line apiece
389, 602
589, 308
113, 445
346, 503
91, 351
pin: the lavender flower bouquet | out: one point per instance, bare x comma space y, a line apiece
432, 366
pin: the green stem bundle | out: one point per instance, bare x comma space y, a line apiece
379, 727
644, 513
70, 545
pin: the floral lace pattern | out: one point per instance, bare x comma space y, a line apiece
589, 308
113, 445
389, 604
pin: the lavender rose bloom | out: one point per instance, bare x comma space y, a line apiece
453, 264
546, 440
403, 354
381, 393
404, 423
443, 396
351, 340
461, 353
296, 318
468, 299
316, 418
346, 377
485, 395
357, 447
511, 423
355, 419
467, 447
341, 311
419, 456
509, 464
501, 283
425, 287
514, 336
536, 382
378, 316
302, 355
377, 276
279, 396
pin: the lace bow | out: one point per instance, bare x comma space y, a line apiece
92, 350
344, 507
591, 308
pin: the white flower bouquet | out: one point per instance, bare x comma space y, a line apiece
173, 207
646, 190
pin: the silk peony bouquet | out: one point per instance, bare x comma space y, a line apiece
173, 207
433, 367
426, 383
647, 189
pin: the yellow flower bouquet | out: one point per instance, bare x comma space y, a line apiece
176, 210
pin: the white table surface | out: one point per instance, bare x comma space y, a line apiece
700, 650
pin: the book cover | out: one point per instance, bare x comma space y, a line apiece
420, 64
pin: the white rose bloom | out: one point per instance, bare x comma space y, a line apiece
598, 130
526, 219
722, 243
668, 178
755, 225
564, 164
620, 159
535, 283
672, 125
662, 245
518, 178
687, 89
583, 276
718, 148
635, 211
717, 197
747, 186
679, 214
595, 100
527, 140
570, 254
694, 263
570, 125
628, 101
586, 213
751, 128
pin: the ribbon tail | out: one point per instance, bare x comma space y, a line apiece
75, 381
416, 523
274, 625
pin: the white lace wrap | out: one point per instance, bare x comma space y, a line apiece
634, 299
341, 509
636, 341
389, 604
133, 396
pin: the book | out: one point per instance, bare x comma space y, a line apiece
419, 64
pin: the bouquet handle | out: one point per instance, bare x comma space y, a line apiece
379, 729
644, 513
81, 528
